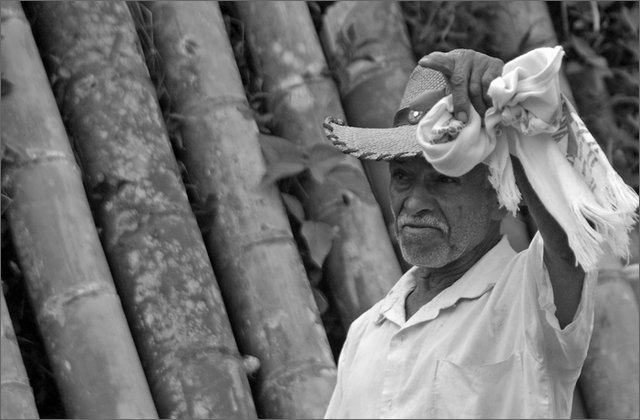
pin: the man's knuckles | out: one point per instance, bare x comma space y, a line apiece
458, 79
475, 89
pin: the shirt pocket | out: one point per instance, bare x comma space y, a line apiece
494, 390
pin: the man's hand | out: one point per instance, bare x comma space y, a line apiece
469, 73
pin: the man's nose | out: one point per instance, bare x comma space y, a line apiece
419, 200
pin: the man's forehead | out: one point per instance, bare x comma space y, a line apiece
480, 171
417, 161
413, 163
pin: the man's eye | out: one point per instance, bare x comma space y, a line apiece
400, 176
447, 179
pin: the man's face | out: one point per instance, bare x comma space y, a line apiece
438, 218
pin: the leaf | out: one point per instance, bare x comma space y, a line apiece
319, 238
281, 170
277, 149
323, 151
315, 276
588, 54
6, 202
351, 33
347, 177
6, 87
293, 206
322, 159
321, 301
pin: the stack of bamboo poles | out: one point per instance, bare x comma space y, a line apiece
84, 329
368, 48
163, 269
361, 267
271, 306
149, 233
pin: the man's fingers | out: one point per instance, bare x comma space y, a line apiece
476, 88
486, 81
456, 69
469, 75
442, 62
459, 82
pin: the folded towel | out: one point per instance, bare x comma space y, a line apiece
532, 120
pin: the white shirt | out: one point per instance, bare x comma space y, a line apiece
488, 346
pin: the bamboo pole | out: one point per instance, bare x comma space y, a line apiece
367, 46
150, 235
361, 267
261, 275
610, 376
80, 317
16, 396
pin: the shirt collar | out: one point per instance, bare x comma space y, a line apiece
477, 281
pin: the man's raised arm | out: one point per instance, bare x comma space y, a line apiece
470, 73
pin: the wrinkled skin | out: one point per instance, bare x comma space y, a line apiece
439, 219
469, 74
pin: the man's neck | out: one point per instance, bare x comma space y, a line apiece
431, 281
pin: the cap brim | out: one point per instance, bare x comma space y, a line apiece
373, 143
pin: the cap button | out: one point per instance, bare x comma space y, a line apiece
414, 116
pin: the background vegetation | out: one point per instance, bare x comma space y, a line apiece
601, 41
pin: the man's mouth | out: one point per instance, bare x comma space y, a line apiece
418, 226
421, 225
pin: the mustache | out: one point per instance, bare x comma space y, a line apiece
426, 220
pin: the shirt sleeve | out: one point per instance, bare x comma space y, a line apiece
564, 347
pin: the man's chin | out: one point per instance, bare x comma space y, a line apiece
431, 256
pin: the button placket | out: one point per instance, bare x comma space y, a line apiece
393, 378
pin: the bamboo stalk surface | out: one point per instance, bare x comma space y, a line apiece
273, 313
77, 309
610, 376
149, 233
368, 49
362, 266
16, 395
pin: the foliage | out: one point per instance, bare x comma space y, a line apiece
603, 36
288, 164
447, 25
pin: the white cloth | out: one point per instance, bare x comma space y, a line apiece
488, 346
564, 164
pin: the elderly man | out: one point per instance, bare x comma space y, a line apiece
473, 329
